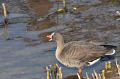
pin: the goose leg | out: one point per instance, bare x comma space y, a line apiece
79, 73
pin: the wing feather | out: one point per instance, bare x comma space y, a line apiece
82, 51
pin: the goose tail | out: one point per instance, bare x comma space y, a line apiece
112, 53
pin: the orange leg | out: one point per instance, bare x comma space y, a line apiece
80, 71
79, 74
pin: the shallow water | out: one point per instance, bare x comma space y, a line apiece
27, 51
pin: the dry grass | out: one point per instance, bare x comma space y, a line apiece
111, 71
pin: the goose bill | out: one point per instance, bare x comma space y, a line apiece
49, 36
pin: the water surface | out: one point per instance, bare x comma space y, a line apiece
27, 51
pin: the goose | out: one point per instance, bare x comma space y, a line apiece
78, 53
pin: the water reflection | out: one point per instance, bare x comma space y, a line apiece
5, 32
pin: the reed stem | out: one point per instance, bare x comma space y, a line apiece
118, 68
99, 76
96, 75
5, 20
79, 77
60, 73
47, 70
4, 9
5, 12
93, 76
64, 4
103, 74
87, 76
51, 72
55, 71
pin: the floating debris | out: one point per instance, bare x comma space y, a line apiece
60, 10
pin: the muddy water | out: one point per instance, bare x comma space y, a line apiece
27, 51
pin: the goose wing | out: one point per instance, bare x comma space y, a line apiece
83, 52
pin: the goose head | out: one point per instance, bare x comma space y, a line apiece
55, 36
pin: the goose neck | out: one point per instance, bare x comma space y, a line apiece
60, 45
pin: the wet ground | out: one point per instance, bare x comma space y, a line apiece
27, 51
